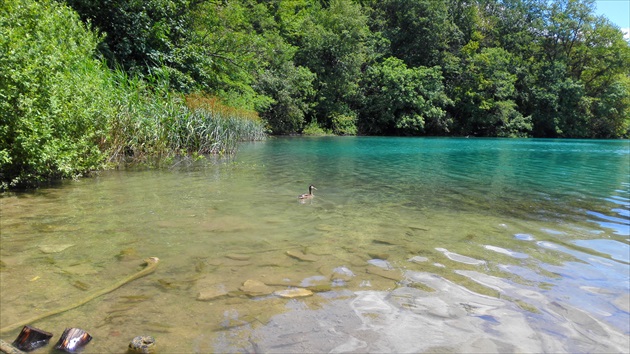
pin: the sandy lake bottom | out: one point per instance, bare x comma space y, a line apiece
402, 252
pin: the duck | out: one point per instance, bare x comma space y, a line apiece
309, 195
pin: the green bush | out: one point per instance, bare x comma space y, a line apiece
54, 94
344, 124
314, 129
402, 100
152, 124
289, 88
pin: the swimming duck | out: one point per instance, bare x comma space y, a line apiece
309, 195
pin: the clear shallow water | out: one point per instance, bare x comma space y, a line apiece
540, 225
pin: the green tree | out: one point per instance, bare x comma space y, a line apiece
611, 111
402, 100
485, 95
334, 46
228, 49
418, 31
290, 88
143, 36
582, 60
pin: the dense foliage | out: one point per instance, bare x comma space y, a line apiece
410, 67
65, 114
84, 82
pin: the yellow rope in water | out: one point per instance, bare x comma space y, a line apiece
7, 348
152, 263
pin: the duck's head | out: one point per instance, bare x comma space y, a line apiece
311, 187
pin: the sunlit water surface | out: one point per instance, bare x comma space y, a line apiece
540, 225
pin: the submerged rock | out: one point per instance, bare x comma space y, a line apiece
292, 293
320, 288
301, 256
379, 255
418, 259
54, 248
379, 241
460, 258
380, 263
128, 254
82, 269
143, 345
212, 292
316, 283
387, 274
238, 257
342, 273
255, 288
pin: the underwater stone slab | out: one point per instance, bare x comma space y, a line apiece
255, 288
379, 255
81, 269
380, 241
387, 274
342, 273
418, 259
460, 258
238, 257
54, 248
381, 263
212, 292
301, 256
293, 293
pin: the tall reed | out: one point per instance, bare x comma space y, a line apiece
153, 124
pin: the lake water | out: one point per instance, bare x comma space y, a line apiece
411, 244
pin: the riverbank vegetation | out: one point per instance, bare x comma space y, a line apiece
65, 113
87, 83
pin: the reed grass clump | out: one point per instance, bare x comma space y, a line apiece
154, 125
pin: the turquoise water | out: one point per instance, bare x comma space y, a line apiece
501, 218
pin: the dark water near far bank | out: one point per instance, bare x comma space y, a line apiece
541, 225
